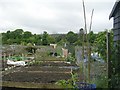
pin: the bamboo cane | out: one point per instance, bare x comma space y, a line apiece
87, 38
84, 34
89, 47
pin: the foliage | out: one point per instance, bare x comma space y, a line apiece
51, 39
70, 83
0, 39
100, 43
20, 37
59, 50
59, 38
78, 42
70, 59
80, 37
115, 66
101, 81
41, 54
45, 40
71, 37
99, 74
31, 49
92, 37
27, 34
35, 63
64, 84
17, 58
24, 37
115, 81
18, 49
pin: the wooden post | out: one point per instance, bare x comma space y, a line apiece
4, 61
109, 68
22, 56
9, 55
89, 56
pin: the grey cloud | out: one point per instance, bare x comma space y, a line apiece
68, 14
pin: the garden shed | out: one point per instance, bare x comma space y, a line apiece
115, 75
116, 17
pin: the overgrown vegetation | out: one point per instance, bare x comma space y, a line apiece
101, 81
70, 59
71, 39
70, 83
115, 66
24, 37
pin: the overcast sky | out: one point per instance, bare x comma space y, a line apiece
54, 16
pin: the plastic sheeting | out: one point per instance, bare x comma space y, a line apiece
16, 63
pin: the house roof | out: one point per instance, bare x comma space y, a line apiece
117, 3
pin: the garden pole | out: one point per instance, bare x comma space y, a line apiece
109, 68
85, 33
8, 55
22, 56
89, 47
4, 61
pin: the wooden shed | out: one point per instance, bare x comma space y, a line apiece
114, 73
116, 17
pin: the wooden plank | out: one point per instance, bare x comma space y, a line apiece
117, 25
49, 72
29, 85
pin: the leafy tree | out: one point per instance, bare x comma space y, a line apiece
91, 37
32, 39
37, 40
27, 34
51, 39
45, 38
61, 39
18, 32
71, 37
80, 37
58, 38
100, 42
4, 38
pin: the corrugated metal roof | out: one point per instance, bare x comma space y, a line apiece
117, 3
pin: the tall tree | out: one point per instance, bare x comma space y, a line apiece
27, 34
100, 43
71, 37
45, 40
80, 37
91, 37
51, 39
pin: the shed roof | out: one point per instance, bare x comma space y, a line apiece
117, 3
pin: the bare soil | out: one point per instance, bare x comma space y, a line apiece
46, 72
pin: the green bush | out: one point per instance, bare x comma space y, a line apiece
101, 81
70, 59
70, 83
